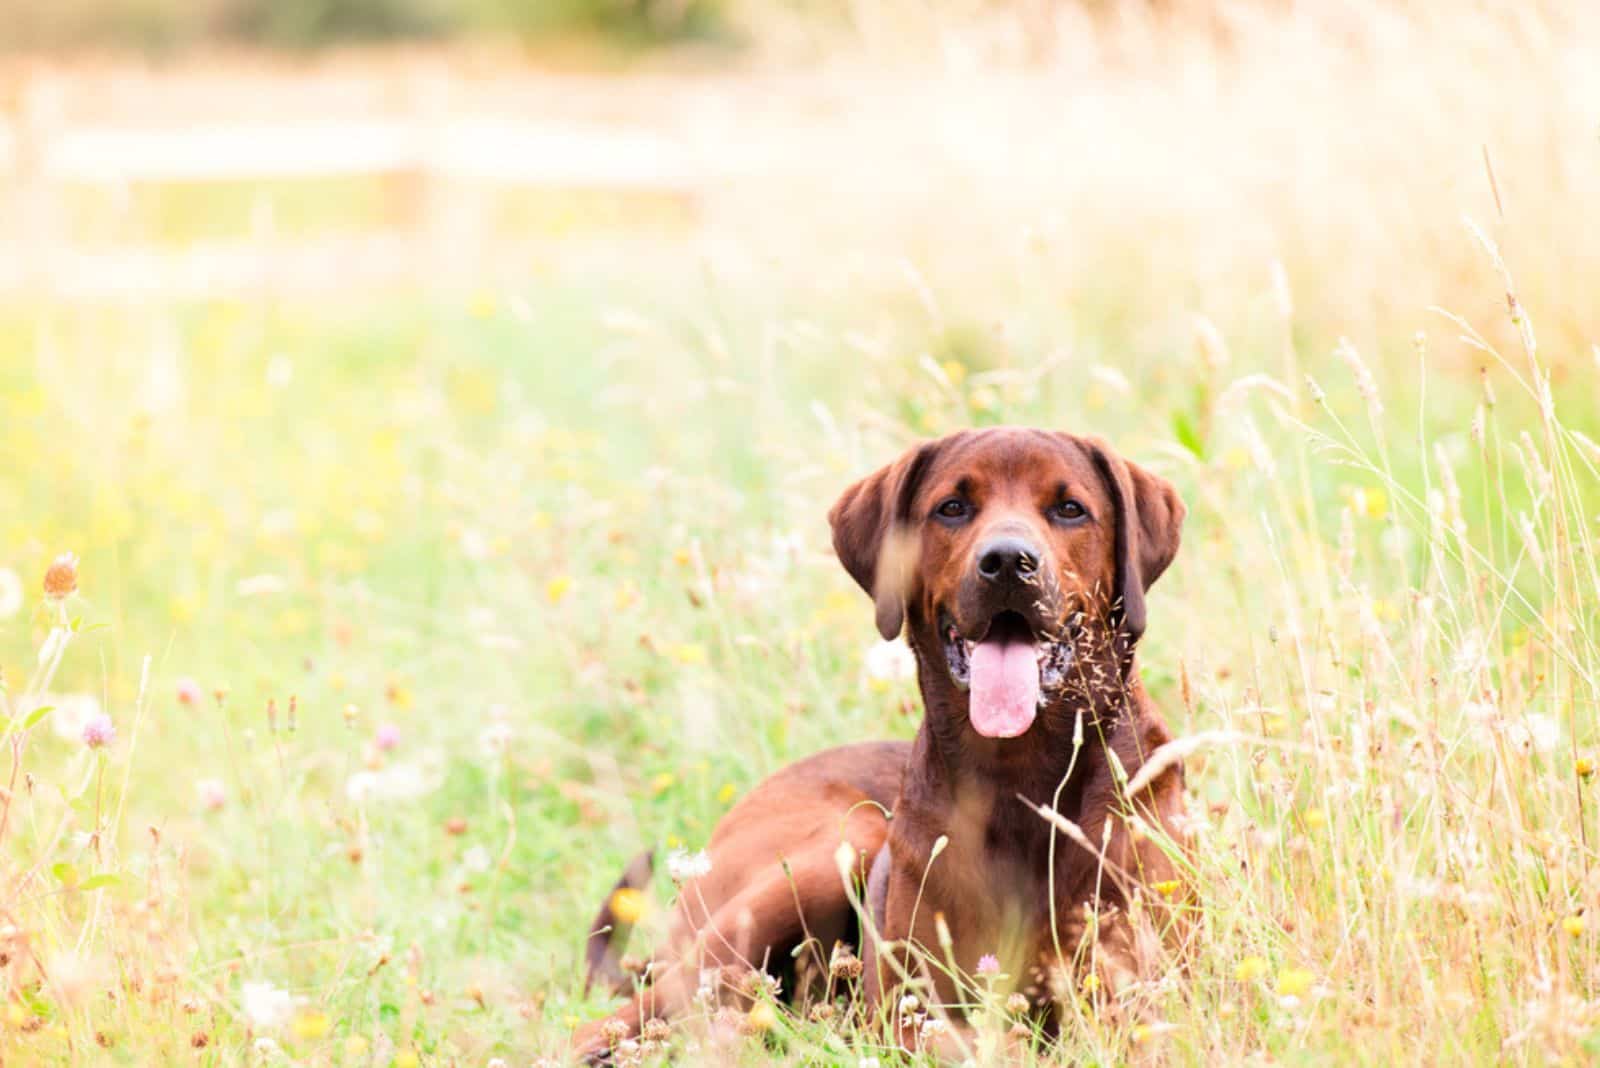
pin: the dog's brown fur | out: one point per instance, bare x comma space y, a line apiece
1004, 881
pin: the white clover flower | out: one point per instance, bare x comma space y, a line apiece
73, 713
11, 597
683, 865
495, 739
401, 781
476, 860
890, 661
265, 1006
1534, 733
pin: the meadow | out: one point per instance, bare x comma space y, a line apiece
398, 619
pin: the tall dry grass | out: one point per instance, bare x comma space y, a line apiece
545, 574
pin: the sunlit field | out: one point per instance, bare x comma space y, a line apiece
402, 615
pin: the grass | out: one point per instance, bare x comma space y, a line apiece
418, 614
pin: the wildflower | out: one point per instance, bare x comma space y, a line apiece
263, 585
61, 578
1250, 969
683, 865
689, 653
933, 1030
72, 712
909, 1004
762, 1017
557, 588
890, 661
1584, 767
280, 371
495, 739
1166, 887
1536, 733
397, 782
265, 1006
406, 1058
727, 793
988, 964
11, 597
1294, 982
656, 1030
388, 737
629, 905
843, 963
1017, 1004
355, 1048
310, 1026
476, 860
99, 732
189, 692
213, 794
1573, 925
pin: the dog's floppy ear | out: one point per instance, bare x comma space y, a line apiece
1148, 523
875, 537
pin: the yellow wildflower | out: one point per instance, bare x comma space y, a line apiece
1294, 982
630, 905
1250, 969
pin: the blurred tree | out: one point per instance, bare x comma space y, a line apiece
166, 25
302, 23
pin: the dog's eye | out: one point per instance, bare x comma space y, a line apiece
951, 508
1068, 511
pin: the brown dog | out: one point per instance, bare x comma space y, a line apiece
1016, 562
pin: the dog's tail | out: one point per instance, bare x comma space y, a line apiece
608, 934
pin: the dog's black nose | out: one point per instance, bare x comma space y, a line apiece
1007, 559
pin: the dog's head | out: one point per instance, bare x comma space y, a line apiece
1002, 549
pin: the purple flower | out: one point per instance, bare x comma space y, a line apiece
388, 737
99, 731
988, 964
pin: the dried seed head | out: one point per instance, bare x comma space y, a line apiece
844, 964
1208, 342
1366, 385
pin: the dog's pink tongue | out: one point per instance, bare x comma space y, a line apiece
1004, 687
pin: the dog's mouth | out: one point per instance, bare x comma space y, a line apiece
1009, 672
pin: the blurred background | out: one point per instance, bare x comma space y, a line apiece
473, 379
